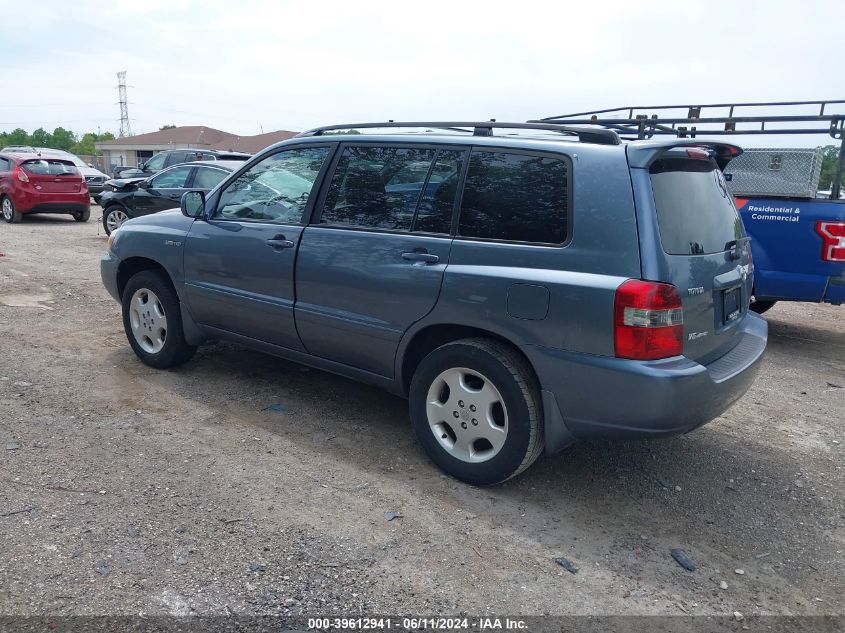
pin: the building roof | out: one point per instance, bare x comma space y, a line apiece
253, 144
197, 136
185, 135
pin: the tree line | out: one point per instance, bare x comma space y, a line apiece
829, 159
60, 138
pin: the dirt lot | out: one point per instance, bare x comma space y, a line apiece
129, 490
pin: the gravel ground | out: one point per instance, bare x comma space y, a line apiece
126, 490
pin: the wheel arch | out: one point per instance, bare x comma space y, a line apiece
134, 265
428, 338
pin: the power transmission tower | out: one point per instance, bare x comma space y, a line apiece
125, 130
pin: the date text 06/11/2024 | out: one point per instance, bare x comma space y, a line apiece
415, 624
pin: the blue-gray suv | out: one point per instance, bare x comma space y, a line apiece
524, 289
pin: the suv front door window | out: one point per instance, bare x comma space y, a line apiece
239, 264
275, 190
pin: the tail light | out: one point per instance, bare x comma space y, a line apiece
21, 174
649, 320
833, 236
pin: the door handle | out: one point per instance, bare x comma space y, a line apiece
279, 242
422, 256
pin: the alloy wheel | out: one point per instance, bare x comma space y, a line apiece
148, 320
467, 415
115, 219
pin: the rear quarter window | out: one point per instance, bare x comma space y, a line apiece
695, 212
516, 197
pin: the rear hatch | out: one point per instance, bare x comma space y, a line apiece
53, 175
704, 251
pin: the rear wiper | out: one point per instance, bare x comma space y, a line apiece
733, 247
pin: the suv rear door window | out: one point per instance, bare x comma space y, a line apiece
434, 212
695, 211
516, 197
377, 187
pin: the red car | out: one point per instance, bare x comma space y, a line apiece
30, 183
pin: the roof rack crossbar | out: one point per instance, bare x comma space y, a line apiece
598, 136
640, 125
630, 109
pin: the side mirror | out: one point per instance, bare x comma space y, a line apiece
193, 204
141, 166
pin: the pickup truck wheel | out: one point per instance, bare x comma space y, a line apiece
153, 321
7, 210
82, 216
761, 306
113, 218
475, 408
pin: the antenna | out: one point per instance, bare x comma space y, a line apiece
125, 130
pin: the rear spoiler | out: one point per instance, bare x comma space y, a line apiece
643, 153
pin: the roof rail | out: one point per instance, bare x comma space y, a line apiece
598, 136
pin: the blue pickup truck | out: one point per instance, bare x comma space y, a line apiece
798, 247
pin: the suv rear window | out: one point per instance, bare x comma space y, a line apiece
695, 211
50, 167
516, 197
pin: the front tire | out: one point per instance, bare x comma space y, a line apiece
113, 218
152, 320
8, 211
475, 408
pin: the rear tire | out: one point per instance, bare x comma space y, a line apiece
761, 306
475, 408
8, 210
152, 320
83, 216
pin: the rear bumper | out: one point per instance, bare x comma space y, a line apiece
59, 207
786, 286
53, 203
611, 398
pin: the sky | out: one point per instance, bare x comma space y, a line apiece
263, 65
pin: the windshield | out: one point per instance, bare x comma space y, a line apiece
695, 212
